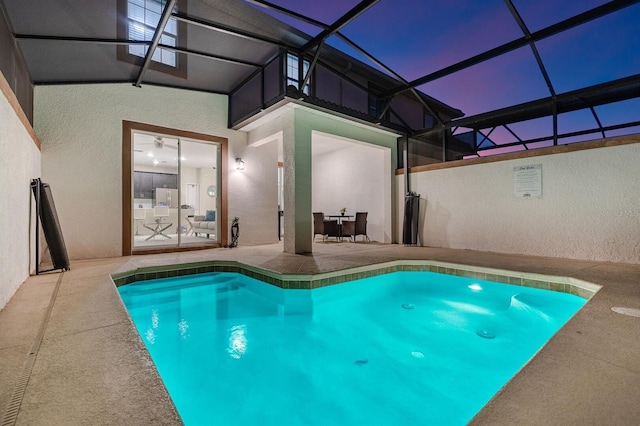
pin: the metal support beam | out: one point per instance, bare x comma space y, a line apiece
359, 9
599, 94
210, 56
561, 26
371, 58
486, 137
90, 40
270, 6
532, 45
126, 42
387, 105
333, 29
515, 135
444, 144
564, 135
405, 163
312, 65
394, 74
166, 14
595, 115
230, 30
554, 107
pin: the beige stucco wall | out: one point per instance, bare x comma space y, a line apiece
81, 131
589, 209
19, 163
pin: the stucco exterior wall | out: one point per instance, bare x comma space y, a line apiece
80, 127
589, 209
19, 163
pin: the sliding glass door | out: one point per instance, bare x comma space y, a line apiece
175, 197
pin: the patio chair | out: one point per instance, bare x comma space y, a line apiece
331, 229
318, 224
349, 229
361, 226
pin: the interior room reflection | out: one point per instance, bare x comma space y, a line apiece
175, 198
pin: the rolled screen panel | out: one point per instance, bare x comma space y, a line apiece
51, 228
410, 226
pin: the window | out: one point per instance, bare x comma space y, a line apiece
428, 120
293, 73
142, 19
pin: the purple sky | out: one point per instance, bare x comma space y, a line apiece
416, 37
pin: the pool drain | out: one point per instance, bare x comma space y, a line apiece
407, 306
486, 334
631, 312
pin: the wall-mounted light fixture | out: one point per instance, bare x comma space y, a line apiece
239, 164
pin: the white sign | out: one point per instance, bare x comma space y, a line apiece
527, 181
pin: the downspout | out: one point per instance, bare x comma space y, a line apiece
405, 163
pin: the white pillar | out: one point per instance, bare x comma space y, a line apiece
298, 236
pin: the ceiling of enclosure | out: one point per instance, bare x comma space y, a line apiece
514, 62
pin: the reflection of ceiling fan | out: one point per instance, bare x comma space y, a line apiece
159, 143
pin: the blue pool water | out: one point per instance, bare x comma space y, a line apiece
396, 349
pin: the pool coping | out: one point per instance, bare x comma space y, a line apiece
560, 284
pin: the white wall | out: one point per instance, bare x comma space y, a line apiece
80, 127
589, 209
353, 177
19, 163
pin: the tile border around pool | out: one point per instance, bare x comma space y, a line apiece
570, 285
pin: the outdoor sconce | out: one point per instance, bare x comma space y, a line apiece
239, 164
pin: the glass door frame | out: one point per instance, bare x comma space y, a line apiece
130, 127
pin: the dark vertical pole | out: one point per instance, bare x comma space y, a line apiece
300, 75
444, 144
35, 186
555, 122
405, 163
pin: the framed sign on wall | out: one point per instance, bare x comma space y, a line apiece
527, 181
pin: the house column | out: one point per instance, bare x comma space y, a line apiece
298, 236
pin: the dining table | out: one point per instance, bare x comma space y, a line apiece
340, 217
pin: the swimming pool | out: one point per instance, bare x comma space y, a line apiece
400, 348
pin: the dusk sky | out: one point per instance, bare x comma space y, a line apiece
417, 37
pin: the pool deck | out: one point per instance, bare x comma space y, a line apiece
69, 353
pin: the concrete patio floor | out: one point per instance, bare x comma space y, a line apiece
69, 353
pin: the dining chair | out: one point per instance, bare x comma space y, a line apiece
349, 229
331, 229
159, 214
318, 224
361, 226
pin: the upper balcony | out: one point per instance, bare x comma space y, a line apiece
355, 93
